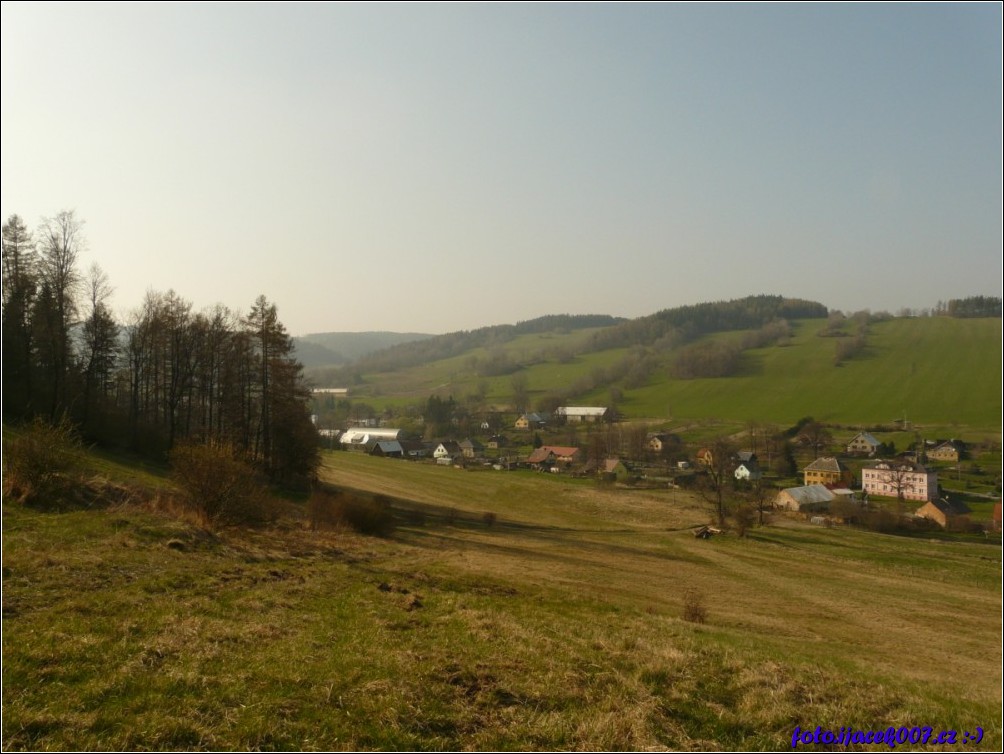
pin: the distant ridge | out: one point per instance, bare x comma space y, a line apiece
339, 348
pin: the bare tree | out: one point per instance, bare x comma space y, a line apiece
101, 348
718, 472
61, 241
816, 436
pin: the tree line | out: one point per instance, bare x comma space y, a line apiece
166, 374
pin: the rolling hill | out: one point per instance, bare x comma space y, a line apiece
939, 371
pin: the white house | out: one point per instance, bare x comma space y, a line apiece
748, 471
899, 478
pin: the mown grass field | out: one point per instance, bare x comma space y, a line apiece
557, 627
938, 372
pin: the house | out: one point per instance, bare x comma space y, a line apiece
471, 448
827, 470
900, 478
705, 457
811, 497
497, 441
578, 414
950, 450
748, 471
660, 441
941, 511
447, 450
531, 421
863, 443
556, 456
614, 468
387, 449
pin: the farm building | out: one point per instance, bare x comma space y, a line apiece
811, 497
387, 449
941, 511
576, 414
357, 437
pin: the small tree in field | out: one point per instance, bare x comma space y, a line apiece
39, 461
218, 484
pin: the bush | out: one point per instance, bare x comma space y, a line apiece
219, 485
694, 609
334, 508
744, 518
39, 462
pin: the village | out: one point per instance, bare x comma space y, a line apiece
807, 472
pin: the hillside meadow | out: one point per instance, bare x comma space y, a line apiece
939, 372
555, 623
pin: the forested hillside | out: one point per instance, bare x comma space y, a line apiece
163, 375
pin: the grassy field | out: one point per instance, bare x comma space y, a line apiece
557, 626
941, 373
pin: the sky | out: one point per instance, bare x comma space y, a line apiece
433, 168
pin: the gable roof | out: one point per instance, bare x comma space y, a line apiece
827, 463
866, 437
811, 493
389, 446
542, 453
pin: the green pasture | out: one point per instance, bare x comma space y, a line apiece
940, 373
936, 371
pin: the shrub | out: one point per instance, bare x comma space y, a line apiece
744, 518
218, 484
489, 517
39, 462
694, 609
334, 508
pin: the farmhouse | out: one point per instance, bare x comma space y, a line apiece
812, 497
826, 470
748, 470
497, 441
941, 511
576, 414
531, 421
950, 450
900, 478
471, 448
556, 456
660, 441
863, 443
614, 468
447, 450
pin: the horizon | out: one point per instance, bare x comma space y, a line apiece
432, 169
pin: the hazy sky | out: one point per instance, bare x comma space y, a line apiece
442, 167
